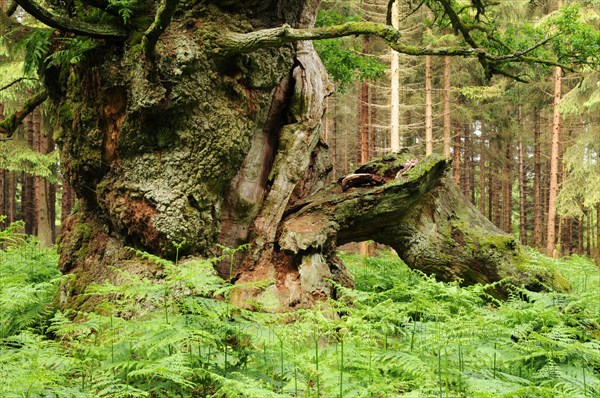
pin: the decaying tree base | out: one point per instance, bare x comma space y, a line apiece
416, 208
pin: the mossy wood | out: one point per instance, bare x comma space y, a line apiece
182, 135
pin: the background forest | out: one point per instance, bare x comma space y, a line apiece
525, 150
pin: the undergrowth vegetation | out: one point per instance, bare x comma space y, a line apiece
398, 334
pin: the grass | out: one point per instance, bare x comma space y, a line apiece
398, 334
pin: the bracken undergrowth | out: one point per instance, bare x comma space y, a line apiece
398, 334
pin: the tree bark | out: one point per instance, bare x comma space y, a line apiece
395, 89
419, 211
554, 163
456, 155
428, 108
522, 197
507, 182
447, 125
482, 173
537, 186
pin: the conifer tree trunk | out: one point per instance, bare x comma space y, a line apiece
428, 108
588, 232
554, 163
465, 183
447, 125
395, 90
598, 234
482, 172
507, 181
456, 156
522, 196
28, 205
44, 191
537, 183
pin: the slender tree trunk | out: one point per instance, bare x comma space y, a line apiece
44, 198
334, 138
428, 108
364, 123
522, 197
12, 195
395, 87
507, 182
466, 167
598, 234
554, 162
588, 232
456, 156
447, 126
482, 156
537, 186
580, 229
3, 197
28, 207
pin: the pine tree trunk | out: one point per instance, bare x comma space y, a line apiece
482, 168
447, 125
428, 108
537, 183
44, 198
598, 235
522, 197
588, 232
28, 205
554, 163
507, 181
456, 156
395, 90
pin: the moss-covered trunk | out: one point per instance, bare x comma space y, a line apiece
188, 146
192, 148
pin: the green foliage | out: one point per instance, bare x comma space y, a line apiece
28, 280
14, 157
72, 52
399, 333
125, 8
342, 58
581, 188
36, 44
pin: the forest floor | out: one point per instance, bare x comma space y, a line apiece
399, 333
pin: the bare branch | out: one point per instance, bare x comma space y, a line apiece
101, 31
19, 80
164, 13
10, 124
233, 43
521, 53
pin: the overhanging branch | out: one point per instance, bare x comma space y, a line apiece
96, 30
10, 124
234, 43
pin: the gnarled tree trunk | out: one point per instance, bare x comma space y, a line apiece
202, 147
